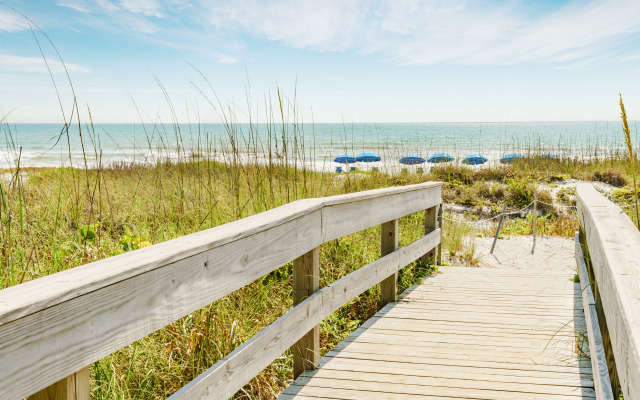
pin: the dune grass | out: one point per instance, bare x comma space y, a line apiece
632, 159
55, 219
52, 219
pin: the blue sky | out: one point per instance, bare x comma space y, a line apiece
352, 61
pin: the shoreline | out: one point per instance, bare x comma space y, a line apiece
389, 165
317, 144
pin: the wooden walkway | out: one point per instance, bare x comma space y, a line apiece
467, 333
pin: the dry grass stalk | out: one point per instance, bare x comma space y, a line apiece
627, 138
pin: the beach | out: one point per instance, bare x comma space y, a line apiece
312, 146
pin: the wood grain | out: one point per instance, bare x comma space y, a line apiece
87, 328
56, 325
472, 344
389, 244
24, 299
73, 387
440, 212
306, 281
430, 224
601, 379
614, 247
228, 375
350, 213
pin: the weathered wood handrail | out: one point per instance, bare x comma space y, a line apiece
612, 244
55, 326
601, 378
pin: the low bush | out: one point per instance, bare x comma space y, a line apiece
611, 176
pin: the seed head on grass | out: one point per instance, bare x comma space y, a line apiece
627, 139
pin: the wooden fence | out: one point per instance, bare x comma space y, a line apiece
611, 246
53, 328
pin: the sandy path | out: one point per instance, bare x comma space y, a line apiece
550, 254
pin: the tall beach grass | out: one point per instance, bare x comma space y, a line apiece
52, 219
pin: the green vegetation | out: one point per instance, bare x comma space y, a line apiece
54, 219
58, 218
627, 139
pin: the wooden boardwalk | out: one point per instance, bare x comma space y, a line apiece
513, 328
467, 333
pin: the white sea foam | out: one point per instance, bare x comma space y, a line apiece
42, 145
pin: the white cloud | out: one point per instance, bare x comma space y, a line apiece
225, 59
437, 31
35, 64
109, 17
107, 5
149, 8
406, 32
75, 6
11, 22
629, 58
316, 25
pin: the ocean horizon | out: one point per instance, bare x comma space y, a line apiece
48, 145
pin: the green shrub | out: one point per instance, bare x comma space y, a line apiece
610, 176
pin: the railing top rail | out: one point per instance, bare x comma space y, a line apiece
614, 248
18, 301
24, 299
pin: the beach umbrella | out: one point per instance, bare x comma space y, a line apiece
412, 160
510, 158
367, 157
345, 159
440, 157
549, 156
474, 159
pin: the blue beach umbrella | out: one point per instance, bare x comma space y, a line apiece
367, 157
474, 159
440, 157
510, 158
412, 160
345, 159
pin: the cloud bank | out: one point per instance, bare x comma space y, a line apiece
432, 32
573, 34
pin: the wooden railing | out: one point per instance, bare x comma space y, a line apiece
53, 328
610, 243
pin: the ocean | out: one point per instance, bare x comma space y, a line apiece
48, 145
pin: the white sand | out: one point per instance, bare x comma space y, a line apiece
550, 253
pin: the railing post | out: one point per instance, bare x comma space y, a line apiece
389, 244
73, 387
306, 281
495, 239
535, 218
430, 225
440, 215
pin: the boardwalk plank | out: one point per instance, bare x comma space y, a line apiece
395, 377
468, 333
554, 374
382, 390
461, 326
464, 360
